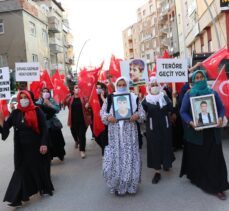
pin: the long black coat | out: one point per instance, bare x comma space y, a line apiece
159, 135
31, 168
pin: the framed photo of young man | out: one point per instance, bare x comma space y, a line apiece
204, 111
122, 106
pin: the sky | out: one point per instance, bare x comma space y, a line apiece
99, 24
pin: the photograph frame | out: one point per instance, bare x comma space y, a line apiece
120, 97
139, 73
198, 103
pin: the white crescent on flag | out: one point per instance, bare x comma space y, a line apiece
221, 87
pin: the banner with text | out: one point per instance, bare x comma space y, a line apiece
4, 83
27, 71
172, 70
224, 4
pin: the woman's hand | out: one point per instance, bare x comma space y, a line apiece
111, 119
1, 119
47, 102
43, 149
192, 124
134, 117
220, 122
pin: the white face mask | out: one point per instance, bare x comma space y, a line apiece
76, 91
24, 102
46, 95
99, 91
155, 90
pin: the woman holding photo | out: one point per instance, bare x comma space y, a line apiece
203, 161
121, 163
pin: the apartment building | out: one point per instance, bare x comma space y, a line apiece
35, 31
154, 32
55, 32
23, 33
205, 26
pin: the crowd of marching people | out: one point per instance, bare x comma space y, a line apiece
38, 137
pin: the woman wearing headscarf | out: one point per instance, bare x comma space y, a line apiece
121, 163
203, 161
78, 119
31, 161
50, 109
102, 138
158, 106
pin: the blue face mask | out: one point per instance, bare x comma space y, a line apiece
122, 89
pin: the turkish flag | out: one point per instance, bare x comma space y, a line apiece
55, 77
45, 79
60, 91
36, 87
62, 77
221, 85
211, 64
166, 55
87, 80
4, 108
114, 68
98, 126
102, 75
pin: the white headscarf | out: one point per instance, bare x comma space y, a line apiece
132, 95
154, 99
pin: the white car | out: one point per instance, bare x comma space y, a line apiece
12, 104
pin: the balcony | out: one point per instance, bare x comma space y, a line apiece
57, 67
55, 45
165, 30
54, 25
165, 42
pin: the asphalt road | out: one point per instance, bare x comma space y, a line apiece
79, 184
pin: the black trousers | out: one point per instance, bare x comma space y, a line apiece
79, 134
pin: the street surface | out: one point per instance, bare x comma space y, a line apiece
79, 185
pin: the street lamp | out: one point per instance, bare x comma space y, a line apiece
77, 64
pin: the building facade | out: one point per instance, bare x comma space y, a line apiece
154, 32
33, 31
205, 26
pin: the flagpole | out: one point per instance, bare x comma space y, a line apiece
77, 64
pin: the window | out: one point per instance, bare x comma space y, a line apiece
32, 28
148, 56
209, 34
46, 63
1, 27
3, 60
202, 43
44, 35
35, 58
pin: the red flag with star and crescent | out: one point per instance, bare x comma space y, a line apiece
60, 91
87, 86
45, 79
221, 86
98, 125
114, 68
4, 108
211, 64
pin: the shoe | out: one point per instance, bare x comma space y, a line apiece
156, 178
119, 194
82, 154
61, 158
15, 204
166, 169
221, 196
